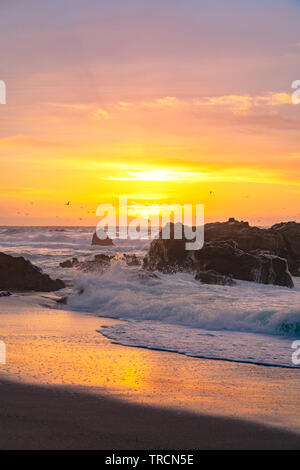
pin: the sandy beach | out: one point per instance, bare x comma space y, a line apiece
66, 386
35, 417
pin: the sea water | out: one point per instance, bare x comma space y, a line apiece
247, 322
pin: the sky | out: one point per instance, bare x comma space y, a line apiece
164, 101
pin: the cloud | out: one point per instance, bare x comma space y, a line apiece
95, 111
240, 104
17, 191
273, 99
158, 175
76, 106
26, 141
125, 104
236, 104
101, 114
167, 100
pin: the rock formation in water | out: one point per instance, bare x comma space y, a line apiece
289, 232
282, 239
100, 262
212, 277
21, 275
97, 264
231, 249
69, 263
98, 241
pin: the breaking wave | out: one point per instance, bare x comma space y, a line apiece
178, 299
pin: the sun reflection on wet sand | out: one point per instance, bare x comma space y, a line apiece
58, 347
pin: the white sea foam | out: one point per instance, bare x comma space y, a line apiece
210, 344
178, 299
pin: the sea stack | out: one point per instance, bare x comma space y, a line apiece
98, 241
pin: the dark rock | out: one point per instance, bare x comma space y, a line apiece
62, 300
227, 259
248, 238
5, 294
69, 263
223, 257
290, 233
281, 239
98, 264
131, 260
168, 256
21, 274
103, 258
98, 241
212, 277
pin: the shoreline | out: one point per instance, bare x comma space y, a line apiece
54, 348
206, 358
40, 417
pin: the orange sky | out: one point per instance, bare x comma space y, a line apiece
162, 105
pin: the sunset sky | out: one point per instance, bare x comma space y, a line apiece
165, 101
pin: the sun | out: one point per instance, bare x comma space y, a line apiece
149, 211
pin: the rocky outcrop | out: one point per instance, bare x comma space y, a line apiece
5, 294
222, 256
212, 277
20, 274
227, 259
98, 264
69, 263
131, 260
282, 239
248, 238
98, 241
289, 232
168, 256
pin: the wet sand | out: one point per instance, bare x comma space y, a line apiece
108, 390
35, 417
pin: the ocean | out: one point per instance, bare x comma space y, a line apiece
248, 322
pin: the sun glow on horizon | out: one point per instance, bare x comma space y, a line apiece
157, 175
152, 210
